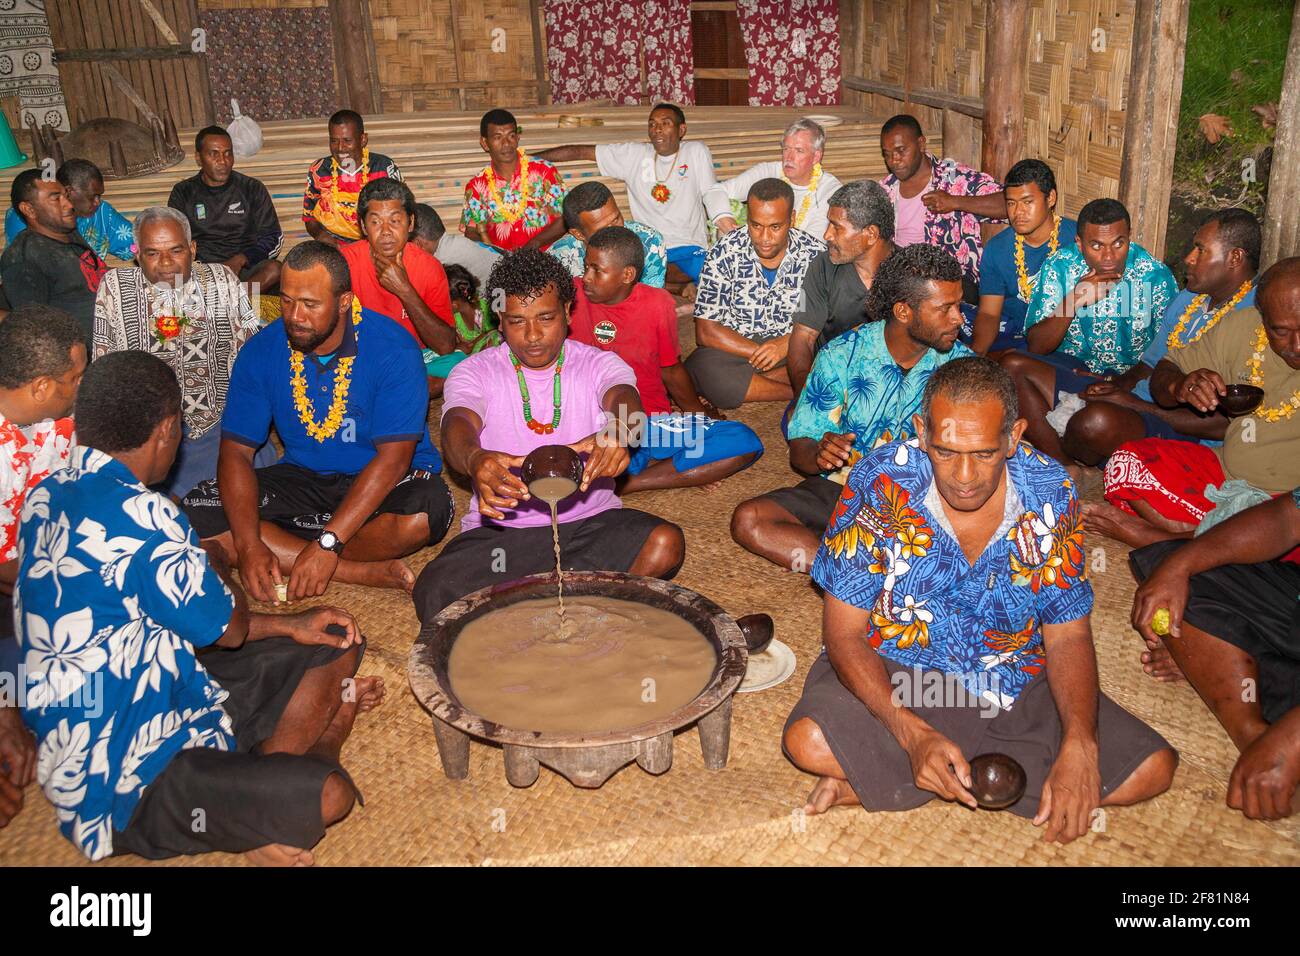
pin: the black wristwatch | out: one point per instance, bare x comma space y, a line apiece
330, 542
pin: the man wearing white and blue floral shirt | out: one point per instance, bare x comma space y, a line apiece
749, 290
154, 693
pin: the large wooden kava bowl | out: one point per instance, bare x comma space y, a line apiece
584, 759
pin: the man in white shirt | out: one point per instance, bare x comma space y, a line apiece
451, 248
802, 147
666, 181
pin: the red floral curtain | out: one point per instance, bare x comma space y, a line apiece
793, 51
594, 50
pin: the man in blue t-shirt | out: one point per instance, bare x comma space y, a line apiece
358, 487
1012, 259
1221, 272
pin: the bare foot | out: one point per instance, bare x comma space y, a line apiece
381, 574
685, 309
1159, 663
1110, 521
830, 792
277, 854
711, 486
370, 692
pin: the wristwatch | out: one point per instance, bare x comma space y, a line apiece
330, 542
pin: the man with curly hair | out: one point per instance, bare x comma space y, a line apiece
863, 390
539, 388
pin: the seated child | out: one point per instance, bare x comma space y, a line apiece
616, 312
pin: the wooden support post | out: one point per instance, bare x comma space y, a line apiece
917, 74
1006, 26
350, 40
539, 52
455, 53
1155, 85
961, 138
1281, 221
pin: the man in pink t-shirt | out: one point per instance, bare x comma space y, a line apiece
486, 434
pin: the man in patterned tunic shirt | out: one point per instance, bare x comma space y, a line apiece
135, 308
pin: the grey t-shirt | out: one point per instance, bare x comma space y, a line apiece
833, 299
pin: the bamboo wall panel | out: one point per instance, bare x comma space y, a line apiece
430, 60
1075, 85
178, 85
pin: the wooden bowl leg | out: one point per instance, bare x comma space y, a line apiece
656, 753
715, 735
522, 767
453, 749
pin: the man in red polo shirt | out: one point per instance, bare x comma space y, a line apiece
395, 277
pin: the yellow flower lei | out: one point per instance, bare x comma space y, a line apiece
334, 183
1255, 365
342, 381
510, 213
1198, 302
1022, 273
808, 199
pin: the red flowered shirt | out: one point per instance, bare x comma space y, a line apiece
27, 456
545, 204
957, 233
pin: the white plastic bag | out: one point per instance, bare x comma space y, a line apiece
245, 134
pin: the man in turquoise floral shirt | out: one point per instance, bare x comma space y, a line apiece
1093, 314
863, 390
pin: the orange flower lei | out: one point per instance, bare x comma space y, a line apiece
1198, 302
802, 214
515, 212
1255, 365
342, 381
1022, 273
334, 183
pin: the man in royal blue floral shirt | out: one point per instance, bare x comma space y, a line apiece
956, 623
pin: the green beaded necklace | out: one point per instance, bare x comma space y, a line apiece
537, 426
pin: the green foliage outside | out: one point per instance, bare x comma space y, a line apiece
1236, 52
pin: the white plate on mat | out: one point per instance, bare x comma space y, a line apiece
774, 666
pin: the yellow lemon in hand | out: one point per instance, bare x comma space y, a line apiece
1160, 621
